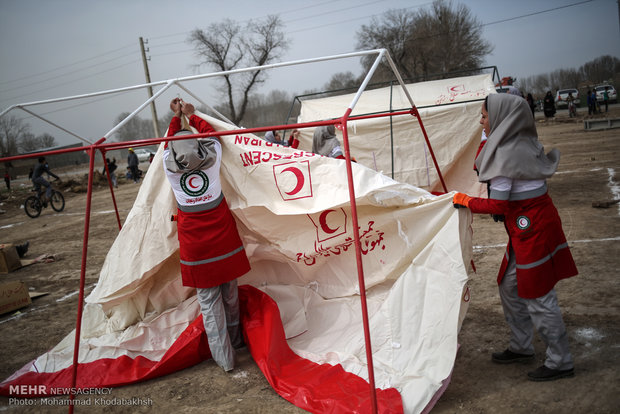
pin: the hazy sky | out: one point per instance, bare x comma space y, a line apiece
56, 48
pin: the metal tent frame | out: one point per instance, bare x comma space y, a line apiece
391, 84
93, 146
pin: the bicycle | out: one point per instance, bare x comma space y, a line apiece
572, 109
34, 205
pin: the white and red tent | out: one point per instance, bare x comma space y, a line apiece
302, 308
450, 109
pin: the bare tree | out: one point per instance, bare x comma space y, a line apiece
226, 46
342, 80
270, 109
47, 140
441, 39
28, 142
601, 69
11, 131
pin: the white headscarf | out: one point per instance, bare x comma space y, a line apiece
512, 149
270, 137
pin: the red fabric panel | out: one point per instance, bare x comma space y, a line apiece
310, 386
317, 388
189, 349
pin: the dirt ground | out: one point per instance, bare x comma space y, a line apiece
590, 302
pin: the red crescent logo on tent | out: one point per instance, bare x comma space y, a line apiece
323, 222
329, 224
293, 180
300, 180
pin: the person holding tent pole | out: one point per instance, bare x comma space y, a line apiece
515, 166
210, 248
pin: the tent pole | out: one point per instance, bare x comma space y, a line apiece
78, 323
107, 172
415, 113
360, 266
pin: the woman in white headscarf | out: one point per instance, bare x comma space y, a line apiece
515, 166
324, 142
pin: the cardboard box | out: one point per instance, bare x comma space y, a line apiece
9, 259
13, 295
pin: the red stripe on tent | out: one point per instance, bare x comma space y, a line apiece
189, 349
313, 387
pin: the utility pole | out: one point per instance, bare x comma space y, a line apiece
150, 89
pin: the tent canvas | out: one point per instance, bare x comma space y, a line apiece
450, 109
295, 218
416, 248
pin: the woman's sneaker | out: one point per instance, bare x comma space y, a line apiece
547, 374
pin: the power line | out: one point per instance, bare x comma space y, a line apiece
67, 65
537, 13
70, 81
67, 73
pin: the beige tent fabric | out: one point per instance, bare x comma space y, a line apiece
454, 131
294, 217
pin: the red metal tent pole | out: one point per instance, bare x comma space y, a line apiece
107, 171
360, 266
78, 324
414, 112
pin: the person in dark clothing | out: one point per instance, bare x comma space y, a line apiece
111, 168
549, 105
132, 164
531, 103
38, 180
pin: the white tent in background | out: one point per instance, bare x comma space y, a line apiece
450, 109
294, 213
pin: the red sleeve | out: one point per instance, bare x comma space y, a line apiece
201, 125
174, 127
293, 143
488, 206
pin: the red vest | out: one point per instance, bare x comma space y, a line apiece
536, 236
541, 251
210, 247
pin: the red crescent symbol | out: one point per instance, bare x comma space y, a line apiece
300, 179
323, 221
189, 182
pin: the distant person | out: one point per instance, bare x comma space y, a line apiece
210, 248
515, 166
549, 105
7, 180
324, 142
591, 102
531, 103
132, 164
38, 180
606, 98
111, 168
275, 138
572, 109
